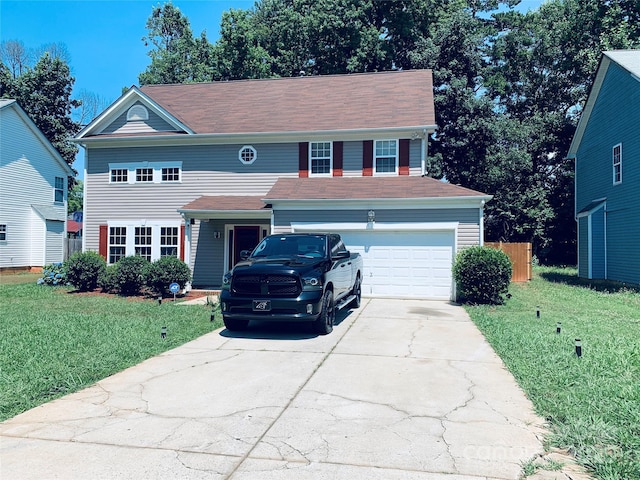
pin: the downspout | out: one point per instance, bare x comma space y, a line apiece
482, 223
424, 151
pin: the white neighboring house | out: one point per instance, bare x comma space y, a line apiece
33, 193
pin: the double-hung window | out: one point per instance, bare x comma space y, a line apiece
320, 158
385, 160
117, 243
143, 240
169, 241
58, 195
617, 164
3, 233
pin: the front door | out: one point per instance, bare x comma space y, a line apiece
244, 238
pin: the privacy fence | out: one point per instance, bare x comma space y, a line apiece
520, 256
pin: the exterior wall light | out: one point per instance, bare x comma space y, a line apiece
371, 216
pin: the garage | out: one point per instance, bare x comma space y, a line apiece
411, 261
404, 263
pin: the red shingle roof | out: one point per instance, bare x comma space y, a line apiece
350, 188
302, 104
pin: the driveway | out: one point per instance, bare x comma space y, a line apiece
402, 389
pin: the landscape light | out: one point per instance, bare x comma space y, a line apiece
578, 347
163, 332
558, 327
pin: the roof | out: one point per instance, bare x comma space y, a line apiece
362, 188
6, 104
73, 226
49, 212
629, 60
225, 203
324, 103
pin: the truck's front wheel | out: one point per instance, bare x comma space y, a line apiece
324, 324
235, 324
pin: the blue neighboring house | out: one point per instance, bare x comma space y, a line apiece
606, 150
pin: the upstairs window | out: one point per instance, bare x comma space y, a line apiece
58, 195
385, 159
320, 158
3, 233
171, 174
119, 175
144, 175
617, 164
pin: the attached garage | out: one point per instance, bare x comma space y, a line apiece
412, 261
407, 229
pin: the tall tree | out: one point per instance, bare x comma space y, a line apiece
44, 92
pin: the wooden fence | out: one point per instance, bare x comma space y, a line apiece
71, 246
520, 256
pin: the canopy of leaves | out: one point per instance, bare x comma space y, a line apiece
509, 86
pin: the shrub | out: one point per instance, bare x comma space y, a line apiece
84, 269
482, 274
53, 274
165, 271
107, 281
129, 276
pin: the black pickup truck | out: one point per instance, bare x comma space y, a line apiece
292, 277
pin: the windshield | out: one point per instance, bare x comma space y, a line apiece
309, 246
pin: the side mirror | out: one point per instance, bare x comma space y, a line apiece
244, 254
341, 255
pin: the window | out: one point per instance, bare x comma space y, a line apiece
117, 243
137, 113
143, 240
617, 164
168, 241
119, 175
3, 233
247, 154
59, 190
171, 174
320, 154
144, 174
385, 156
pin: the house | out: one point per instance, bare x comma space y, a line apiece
204, 171
33, 193
606, 150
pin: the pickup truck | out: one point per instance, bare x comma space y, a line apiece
292, 277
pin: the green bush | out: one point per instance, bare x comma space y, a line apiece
107, 281
53, 274
84, 269
165, 271
130, 275
482, 275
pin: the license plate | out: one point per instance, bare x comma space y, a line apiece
262, 305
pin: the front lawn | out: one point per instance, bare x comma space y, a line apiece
53, 342
592, 402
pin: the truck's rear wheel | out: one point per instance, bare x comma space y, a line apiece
324, 324
235, 324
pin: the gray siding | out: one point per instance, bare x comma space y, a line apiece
153, 124
583, 247
468, 226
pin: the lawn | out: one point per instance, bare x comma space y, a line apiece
55, 342
592, 402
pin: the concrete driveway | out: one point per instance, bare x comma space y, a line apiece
401, 389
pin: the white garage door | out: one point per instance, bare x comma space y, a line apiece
404, 264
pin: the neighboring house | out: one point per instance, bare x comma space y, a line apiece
74, 229
33, 193
204, 171
606, 150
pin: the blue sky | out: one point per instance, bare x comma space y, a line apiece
104, 38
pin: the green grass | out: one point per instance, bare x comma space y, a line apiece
53, 342
592, 403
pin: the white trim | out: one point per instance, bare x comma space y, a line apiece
247, 147
613, 164
380, 203
396, 172
375, 226
155, 235
231, 226
310, 149
157, 167
137, 113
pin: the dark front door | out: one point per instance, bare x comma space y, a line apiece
244, 238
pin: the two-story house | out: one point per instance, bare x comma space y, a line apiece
204, 171
606, 150
33, 193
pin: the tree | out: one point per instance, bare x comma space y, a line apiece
14, 56
44, 93
76, 195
